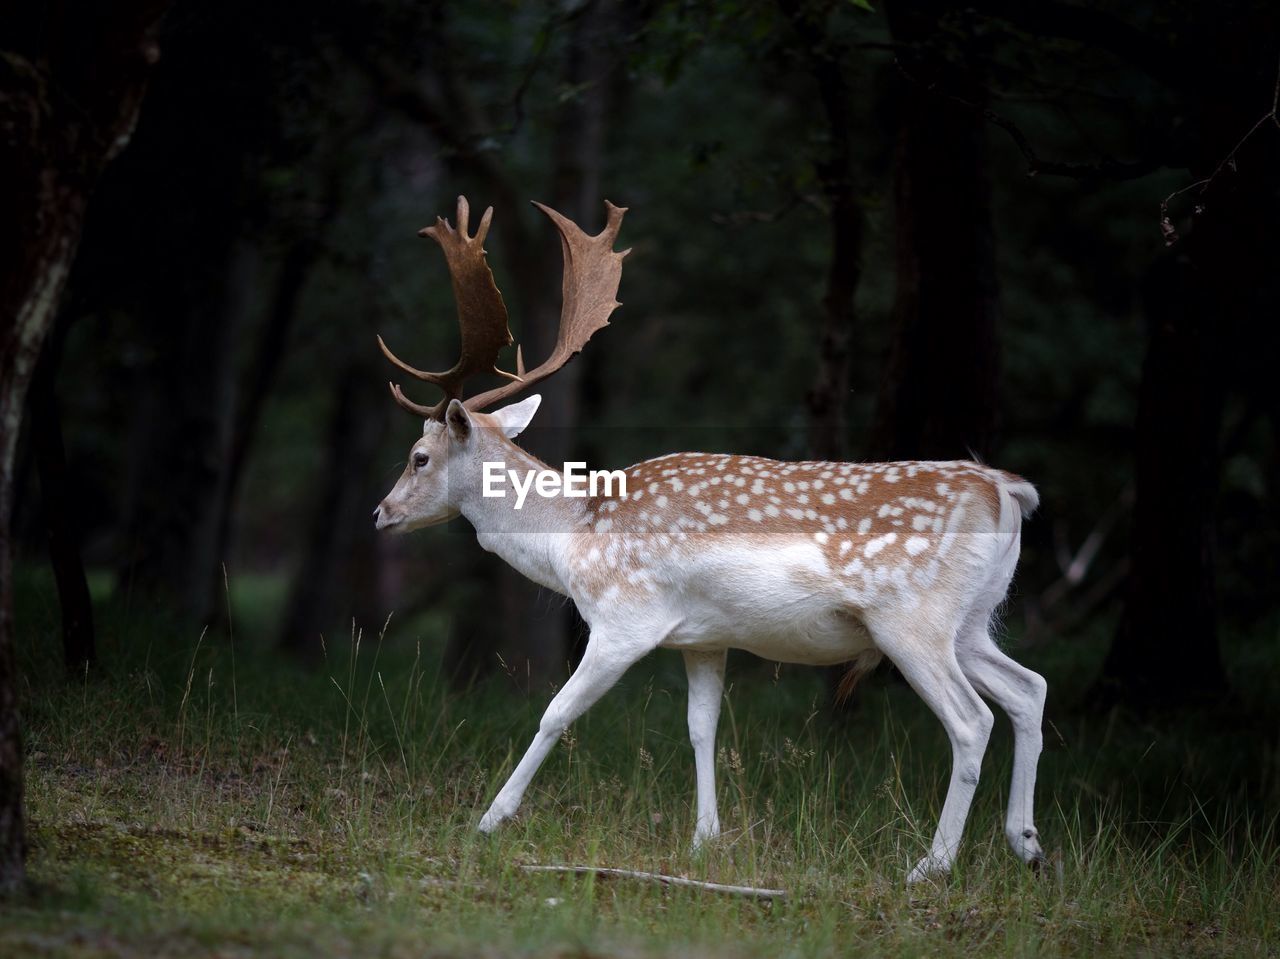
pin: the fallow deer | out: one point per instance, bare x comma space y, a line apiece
803, 562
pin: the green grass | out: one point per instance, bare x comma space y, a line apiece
183, 805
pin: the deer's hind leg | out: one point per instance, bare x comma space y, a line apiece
925, 654
1021, 694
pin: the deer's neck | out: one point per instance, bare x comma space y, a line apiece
534, 539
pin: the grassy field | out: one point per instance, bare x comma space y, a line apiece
201, 799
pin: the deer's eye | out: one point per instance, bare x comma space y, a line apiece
420, 460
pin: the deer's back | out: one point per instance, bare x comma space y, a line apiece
759, 545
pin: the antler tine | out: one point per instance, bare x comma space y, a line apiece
482, 314
463, 214
426, 412
435, 378
592, 272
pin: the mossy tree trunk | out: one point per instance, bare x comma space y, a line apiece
73, 80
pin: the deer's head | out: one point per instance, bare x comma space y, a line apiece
445, 465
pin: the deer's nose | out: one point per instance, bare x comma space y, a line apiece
376, 511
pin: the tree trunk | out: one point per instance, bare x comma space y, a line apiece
28, 303
476, 629
826, 399
1201, 300
1166, 649
185, 420
337, 580
58, 508
268, 358
72, 84
827, 396
938, 394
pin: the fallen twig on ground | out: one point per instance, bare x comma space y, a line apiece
752, 891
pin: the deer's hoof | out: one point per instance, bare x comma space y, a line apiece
930, 867
1026, 846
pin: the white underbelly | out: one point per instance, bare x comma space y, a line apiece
774, 603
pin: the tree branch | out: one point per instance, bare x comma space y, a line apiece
754, 892
1105, 170
1166, 224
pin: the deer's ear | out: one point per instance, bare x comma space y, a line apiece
458, 420
514, 418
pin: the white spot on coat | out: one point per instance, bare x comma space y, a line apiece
916, 545
879, 543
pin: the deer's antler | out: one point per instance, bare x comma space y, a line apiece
482, 316
592, 272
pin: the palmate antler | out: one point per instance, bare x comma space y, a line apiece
592, 271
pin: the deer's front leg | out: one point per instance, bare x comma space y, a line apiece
706, 687
602, 666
